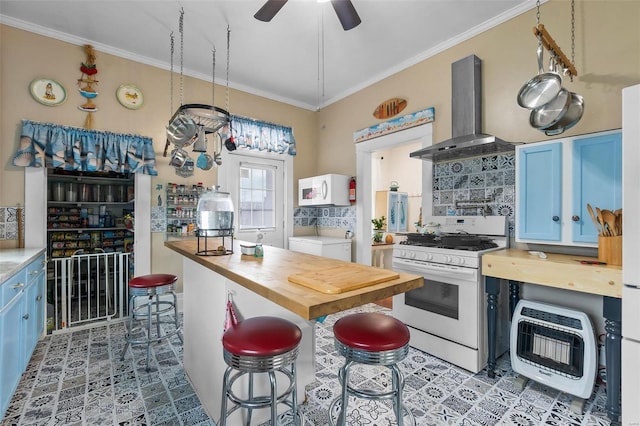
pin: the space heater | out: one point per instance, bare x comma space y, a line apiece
554, 346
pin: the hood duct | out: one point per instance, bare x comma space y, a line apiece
466, 118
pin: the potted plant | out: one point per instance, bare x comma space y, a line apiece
378, 226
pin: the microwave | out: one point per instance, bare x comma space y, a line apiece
324, 190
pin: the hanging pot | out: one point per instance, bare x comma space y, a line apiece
551, 113
200, 144
181, 130
542, 88
570, 118
178, 157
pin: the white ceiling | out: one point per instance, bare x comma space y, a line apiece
282, 59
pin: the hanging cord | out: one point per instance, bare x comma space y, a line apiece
171, 79
181, 29
213, 76
573, 36
538, 24
228, 60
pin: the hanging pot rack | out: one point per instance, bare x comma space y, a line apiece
541, 33
208, 117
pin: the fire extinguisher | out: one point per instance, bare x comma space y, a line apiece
352, 190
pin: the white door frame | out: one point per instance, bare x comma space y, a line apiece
364, 206
287, 181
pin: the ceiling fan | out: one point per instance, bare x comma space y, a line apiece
344, 9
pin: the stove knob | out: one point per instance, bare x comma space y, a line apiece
447, 259
412, 255
402, 253
428, 256
456, 260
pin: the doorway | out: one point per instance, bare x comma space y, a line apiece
262, 193
366, 178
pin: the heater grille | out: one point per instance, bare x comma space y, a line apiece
551, 348
555, 346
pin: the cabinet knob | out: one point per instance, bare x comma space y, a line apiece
575, 218
25, 316
555, 218
38, 298
18, 286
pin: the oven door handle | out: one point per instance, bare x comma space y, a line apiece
412, 268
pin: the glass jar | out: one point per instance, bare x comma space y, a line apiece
215, 213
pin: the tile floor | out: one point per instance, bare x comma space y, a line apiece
78, 379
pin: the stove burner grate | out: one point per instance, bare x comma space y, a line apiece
451, 241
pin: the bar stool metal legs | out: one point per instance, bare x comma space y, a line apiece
377, 340
260, 345
149, 289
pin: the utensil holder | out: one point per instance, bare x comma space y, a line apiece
610, 250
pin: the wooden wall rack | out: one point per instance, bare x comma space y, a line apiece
549, 43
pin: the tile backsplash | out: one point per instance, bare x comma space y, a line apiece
9, 223
489, 177
325, 217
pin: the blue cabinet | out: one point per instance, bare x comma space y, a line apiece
11, 308
33, 316
22, 319
539, 193
557, 179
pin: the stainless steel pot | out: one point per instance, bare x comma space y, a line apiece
570, 118
181, 130
541, 89
551, 113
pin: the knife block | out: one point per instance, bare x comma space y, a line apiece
610, 250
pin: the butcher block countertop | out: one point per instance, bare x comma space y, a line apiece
557, 270
268, 277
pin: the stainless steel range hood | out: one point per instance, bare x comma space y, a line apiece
466, 118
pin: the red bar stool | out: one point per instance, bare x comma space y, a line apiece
372, 339
151, 287
260, 345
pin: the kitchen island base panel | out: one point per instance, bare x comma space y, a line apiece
205, 296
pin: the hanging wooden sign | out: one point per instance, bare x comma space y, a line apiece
390, 108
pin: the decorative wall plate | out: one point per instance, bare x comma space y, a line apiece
47, 91
130, 96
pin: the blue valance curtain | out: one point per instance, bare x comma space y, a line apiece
263, 136
73, 148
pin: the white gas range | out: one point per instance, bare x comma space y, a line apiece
447, 315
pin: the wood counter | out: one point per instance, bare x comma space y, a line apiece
267, 277
557, 270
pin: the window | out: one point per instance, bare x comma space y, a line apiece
257, 197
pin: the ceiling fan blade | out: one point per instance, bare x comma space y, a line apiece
346, 13
269, 10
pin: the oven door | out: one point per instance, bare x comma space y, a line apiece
447, 305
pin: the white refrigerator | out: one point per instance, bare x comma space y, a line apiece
631, 255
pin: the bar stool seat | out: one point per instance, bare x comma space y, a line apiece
260, 345
151, 287
376, 339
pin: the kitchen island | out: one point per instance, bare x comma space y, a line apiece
564, 272
258, 286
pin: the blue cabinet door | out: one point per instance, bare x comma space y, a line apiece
597, 180
10, 356
540, 192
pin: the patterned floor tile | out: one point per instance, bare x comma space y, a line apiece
77, 378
